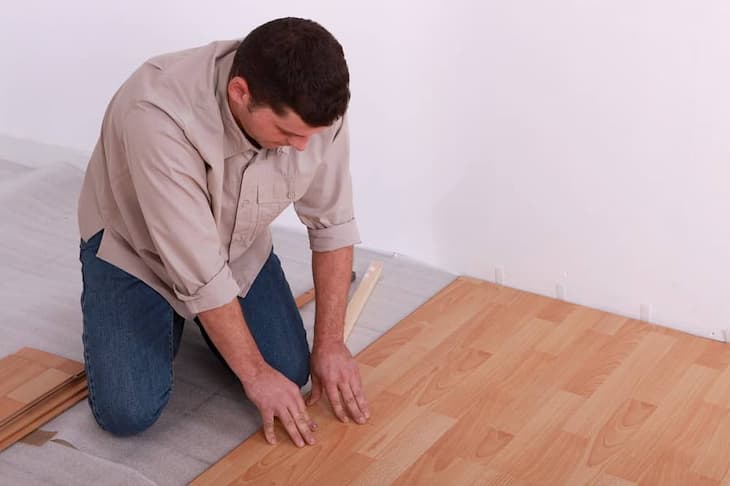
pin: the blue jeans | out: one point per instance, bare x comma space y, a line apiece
131, 336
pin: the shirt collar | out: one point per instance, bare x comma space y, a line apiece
234, 141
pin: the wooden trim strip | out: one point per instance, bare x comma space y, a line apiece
357, 303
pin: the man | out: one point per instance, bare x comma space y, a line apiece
199, 151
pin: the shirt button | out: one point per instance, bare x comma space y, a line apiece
290, 195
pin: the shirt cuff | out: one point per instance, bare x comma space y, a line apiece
221, 290
334, 237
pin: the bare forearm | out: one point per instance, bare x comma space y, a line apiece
228, 330
332, 271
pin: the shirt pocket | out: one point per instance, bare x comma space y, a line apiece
272, 198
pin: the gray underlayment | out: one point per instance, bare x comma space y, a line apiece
207, 414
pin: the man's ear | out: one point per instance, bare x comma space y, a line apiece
238, 90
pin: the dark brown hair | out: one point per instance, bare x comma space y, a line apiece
293, 63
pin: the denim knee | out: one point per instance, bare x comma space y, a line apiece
124, 418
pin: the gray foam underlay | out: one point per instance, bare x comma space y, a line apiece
10, 170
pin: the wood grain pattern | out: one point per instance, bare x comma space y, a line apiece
485, 385
36, 387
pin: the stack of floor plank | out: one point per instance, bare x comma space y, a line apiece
35, 387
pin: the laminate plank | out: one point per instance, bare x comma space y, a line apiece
38, 386
716, 355
661, 378
557, 311
719, 392
410, 444
471, 439
614, 391
8, 406
532, 440
672, 467
16, 371
492, 477
609, 480
424, 471
514, 351
556, 459
606, 359
48, 360
610, 440
539, 375
669, 423
714, 460
609, 324
563, 335
503, 321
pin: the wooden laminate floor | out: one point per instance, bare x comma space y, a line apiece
489, 385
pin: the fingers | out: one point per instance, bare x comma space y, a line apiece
362, 402
269, 434
297, 422
288, 407
316, 392
353, 404
304, 425
346, 397
290, 425
333, 394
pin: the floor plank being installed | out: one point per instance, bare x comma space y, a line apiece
489, 385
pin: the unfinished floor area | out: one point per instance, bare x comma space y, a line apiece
482, 385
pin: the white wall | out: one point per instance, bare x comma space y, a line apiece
575, 143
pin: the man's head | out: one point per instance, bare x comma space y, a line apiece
289, 80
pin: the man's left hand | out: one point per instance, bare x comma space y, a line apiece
335, 371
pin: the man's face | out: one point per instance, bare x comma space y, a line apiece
263, 125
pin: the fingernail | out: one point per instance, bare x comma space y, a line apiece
315, 425
300, 443
361, 420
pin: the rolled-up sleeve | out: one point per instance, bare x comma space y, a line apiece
326, 208
169, 179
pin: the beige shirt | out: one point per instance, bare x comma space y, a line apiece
184, 198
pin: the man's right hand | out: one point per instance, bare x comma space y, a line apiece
273, 394
276, 396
